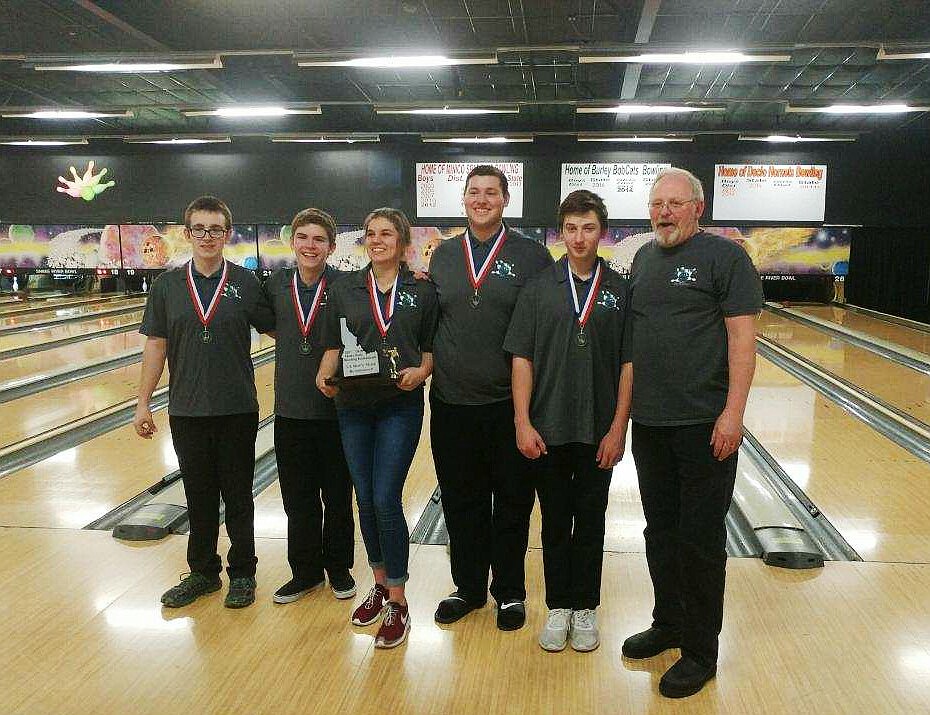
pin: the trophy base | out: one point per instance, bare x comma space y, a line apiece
349, 383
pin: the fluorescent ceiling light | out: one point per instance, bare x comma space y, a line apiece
691, 58
177, 140
244, 112
883, 55
42, 142
629, 138
326, 138
400, 61
859, 109
787, 139
646, 109
476, 139
131, 67
65, 114
448, 110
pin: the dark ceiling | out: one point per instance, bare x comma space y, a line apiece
832, 44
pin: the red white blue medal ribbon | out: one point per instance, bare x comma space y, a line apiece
583, 313
205, 316
382, 319
306, 323
477, 276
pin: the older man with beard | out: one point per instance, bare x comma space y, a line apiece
695, 297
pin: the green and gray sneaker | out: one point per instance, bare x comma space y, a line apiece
192, 587
241, 592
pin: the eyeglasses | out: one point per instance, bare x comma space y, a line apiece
201, 232
673, 205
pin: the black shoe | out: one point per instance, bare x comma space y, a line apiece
685, 678
294, 589
342, 584
454, 608
511, 615
192, 586
649, 643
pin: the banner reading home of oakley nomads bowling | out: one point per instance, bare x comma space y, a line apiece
624, 187
769, 192
440, 187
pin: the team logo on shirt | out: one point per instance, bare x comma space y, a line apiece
503, 269
608, 300
684, 275
406, 300
231, 291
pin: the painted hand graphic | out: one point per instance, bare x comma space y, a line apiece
86, 187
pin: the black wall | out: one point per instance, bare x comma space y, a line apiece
879, 180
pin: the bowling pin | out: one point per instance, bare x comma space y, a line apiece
15, 284
145, 287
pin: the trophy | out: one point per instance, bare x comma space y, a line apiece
360, 367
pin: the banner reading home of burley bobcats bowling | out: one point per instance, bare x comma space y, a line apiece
624, 187
440, 187
769, 192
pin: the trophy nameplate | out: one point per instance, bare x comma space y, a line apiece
361, 367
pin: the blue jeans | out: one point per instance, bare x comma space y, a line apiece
379, 444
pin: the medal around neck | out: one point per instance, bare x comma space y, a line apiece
583, 312
305, 322
206, 315
478, 274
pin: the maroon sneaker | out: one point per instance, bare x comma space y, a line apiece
394, 626
369, 610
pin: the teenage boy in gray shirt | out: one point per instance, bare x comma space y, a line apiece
198, 317
571, 405
695, 297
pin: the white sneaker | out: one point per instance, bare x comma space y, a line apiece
554, 634
585, 636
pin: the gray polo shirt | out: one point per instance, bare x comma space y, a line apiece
215, 378
295, 392
470, 364
680, 297
574, 387
411, 332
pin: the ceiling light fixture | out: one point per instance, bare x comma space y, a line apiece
177, 140
396, 61
131, 67
727, 57
477, 139
246, 112
64, 114
325, 138
788, 139
884, 55
634, 138
859, 109
61, 141
647, 109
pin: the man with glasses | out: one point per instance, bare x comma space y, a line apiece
695, 297
198, 317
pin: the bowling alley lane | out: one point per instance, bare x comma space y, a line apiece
54, 360
77, 485
900, 386
40, 335
875, 327
873, 491
46, 410
64, 315
81, 306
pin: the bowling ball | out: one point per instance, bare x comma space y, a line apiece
154, 251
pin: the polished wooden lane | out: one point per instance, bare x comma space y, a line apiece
84, 632
65, 315
60, 405
892, 332
70, 307
87, 327
874, 492
900, 386
65, 357
78, 485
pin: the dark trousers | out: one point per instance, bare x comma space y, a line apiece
311, 465
686, 493
217, 458
487, 497
572, 493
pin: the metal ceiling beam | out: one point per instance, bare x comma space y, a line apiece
121, 25
647, 20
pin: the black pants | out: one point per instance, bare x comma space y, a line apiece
311, 464
217, 458
572, 493
686, 493
487, 497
